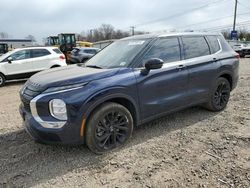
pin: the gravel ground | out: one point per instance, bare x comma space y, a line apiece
191, 148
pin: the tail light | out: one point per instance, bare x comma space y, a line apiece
237, 56
62, 57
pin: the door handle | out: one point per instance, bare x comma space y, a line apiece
214, 59
180, 67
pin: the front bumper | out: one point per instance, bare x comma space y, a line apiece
68, 134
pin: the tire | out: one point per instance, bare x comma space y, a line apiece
54, 66
109, 127
84, 60
219, 95
2, 80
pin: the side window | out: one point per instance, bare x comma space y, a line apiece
167, 49
90, 51
39, 52
57, 51
22, 54
195, 47
214, 44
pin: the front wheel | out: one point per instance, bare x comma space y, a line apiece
109, 127
2, 80
219, 96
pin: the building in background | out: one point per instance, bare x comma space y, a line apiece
17, 43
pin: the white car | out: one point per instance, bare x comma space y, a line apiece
24, 62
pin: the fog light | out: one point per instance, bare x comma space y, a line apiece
58, 109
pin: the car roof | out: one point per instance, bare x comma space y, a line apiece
35, 47
86, 48
159, 35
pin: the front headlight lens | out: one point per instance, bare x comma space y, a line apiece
58, 109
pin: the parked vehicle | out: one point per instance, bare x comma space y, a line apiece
3, 48
52, 41
80, 55
67, 41
245, 50
130, 82
24, 62
83, 44
241, 48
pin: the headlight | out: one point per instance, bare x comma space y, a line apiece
65, 88
58, 109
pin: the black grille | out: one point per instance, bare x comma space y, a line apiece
28, 92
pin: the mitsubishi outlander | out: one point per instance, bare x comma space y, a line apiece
132, 81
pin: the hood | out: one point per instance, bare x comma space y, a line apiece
3, 56
68, 75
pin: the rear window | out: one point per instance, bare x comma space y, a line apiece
39, 52
90, 51
57, 51
195, 47
214, 44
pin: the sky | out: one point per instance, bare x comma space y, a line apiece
42, 18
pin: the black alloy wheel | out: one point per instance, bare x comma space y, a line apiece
109, 127
219, 96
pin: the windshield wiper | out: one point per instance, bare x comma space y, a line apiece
94, 66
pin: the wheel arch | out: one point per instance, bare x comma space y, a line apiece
3, 74
227, 75
54, 66
122, 99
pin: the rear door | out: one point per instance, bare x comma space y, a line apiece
21, 63
42, 59
202, 65
164, 89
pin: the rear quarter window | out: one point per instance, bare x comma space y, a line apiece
214, 44
90, 51
195, 46
56, 50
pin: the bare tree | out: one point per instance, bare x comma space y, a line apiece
107, 31
31, 37
4, 35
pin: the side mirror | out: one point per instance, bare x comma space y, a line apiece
153, 63
10, 59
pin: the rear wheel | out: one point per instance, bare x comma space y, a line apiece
109, 127
219, 96
2, 80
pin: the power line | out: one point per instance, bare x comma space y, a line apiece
180, 14
212, 20
244, 23
243, 5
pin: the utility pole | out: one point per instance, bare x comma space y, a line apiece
133, 30
235, 12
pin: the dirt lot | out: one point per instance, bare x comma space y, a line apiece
192, 148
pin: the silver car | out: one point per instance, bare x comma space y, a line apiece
80, 55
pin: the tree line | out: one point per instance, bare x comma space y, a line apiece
104, 32
108, 32
243, 34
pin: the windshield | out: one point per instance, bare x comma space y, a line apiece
118, 54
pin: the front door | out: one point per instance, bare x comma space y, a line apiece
21, 63
163, 90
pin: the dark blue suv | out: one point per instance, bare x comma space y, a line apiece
130, 82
